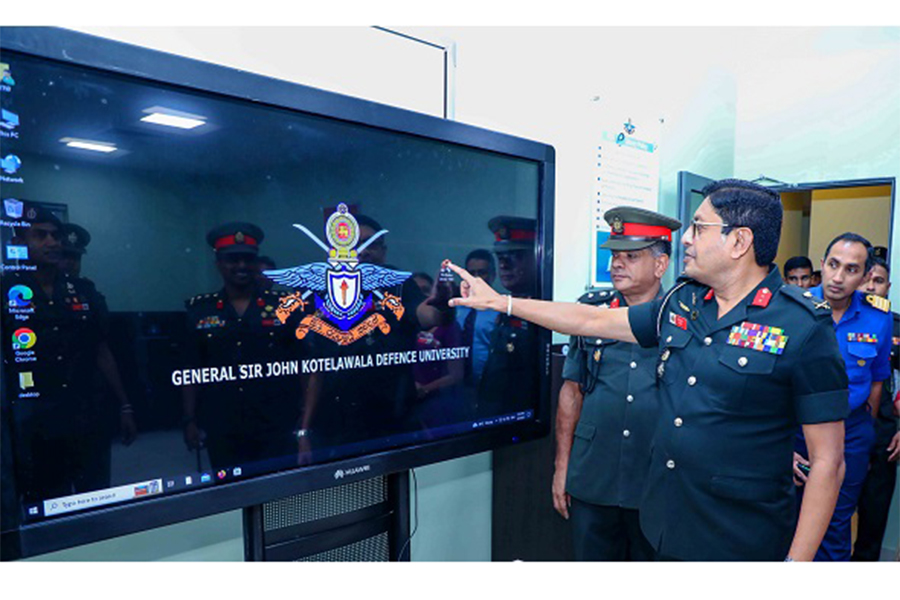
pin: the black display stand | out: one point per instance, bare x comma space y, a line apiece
362, 521
524, 525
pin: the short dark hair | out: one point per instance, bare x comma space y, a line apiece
368, 222
877, 261
482, 254
849, 236
267, 260
798, 262
743, 204
661, 247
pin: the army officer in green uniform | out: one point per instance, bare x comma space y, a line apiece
608, 404
743, 359
245, 420
510, 375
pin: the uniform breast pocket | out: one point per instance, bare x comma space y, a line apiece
859, 357
745, 370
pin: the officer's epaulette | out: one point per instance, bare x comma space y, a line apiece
199, 298
806, 299
882, 304
597, 297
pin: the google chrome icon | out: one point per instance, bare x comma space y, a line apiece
23, 339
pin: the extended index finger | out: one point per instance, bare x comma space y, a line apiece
465, 275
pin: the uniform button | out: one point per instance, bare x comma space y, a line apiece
240, 389
50, 303
668, 339
65, 385
692, 380
633, 365
630, 398
707, 341
626, 433
670, 464
56, 329
678, 422
742, 361
239, 343
59, 358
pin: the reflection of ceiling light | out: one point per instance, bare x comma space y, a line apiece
104, 147
160, 115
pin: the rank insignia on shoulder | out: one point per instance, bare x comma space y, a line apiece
869, 338
758, 337
882, 304
822, 304
614, 303
678, 321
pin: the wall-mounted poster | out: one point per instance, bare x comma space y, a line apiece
627, 174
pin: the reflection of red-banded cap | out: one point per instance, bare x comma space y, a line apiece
513, 233
637, 228
233, 238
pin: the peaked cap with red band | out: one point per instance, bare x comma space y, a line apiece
637, 228
235, 238
513, 233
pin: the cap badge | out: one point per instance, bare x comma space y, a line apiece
617, 225
73, 238
239, 237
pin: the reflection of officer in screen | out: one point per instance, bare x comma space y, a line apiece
60, 426
509, 378
374, 402
247, 419
75, 239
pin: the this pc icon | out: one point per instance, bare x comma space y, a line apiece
8, 120
13, 208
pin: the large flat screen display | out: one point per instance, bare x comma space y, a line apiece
219, 289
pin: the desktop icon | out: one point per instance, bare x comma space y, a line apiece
8, 120
188, 480
13, 208
205, 478
16, 252
20, 296
221, 474
10, 164
5, 75
26, 380
23, 339
237, 472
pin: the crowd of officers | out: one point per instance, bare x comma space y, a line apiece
738, 416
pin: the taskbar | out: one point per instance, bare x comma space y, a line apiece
55, 507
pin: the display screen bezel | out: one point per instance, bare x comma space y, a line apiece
154, 67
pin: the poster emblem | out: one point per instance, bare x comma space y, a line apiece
349, 296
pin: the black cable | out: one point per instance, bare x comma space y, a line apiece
416, 517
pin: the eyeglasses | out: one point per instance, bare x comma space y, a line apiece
697, 226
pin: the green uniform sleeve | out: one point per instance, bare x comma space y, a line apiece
820, 378
643, 320
573, 368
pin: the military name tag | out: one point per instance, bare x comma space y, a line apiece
678, 321
870, 338
758, 337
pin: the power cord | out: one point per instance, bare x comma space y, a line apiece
415, 517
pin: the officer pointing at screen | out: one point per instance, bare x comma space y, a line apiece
743, 359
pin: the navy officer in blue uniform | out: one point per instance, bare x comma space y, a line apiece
608, 404
863, 328
743, 359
